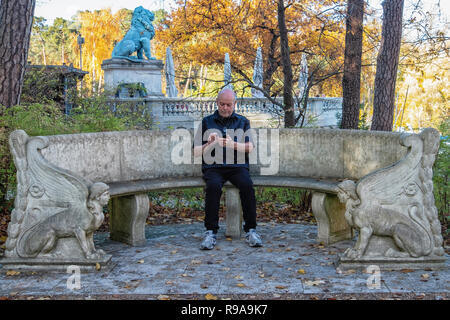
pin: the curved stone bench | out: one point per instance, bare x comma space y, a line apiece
378, 183
130, 206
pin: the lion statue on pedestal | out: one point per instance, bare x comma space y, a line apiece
137, 39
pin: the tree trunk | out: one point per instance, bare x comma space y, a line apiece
93, 71
352, 64
62, 54
16, 21
272, 64
186, 87
288, 99
100, 80
387, 64
44, 55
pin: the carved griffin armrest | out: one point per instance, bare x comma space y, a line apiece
393, 208
52, 204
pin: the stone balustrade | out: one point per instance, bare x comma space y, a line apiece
168, 112
182, 112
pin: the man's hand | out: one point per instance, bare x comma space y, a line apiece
213, 137
226, 142
212, 140
223, 142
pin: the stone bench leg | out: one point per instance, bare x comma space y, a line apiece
329, 213
127, 219
233, 213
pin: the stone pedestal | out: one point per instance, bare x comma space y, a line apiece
233, 213
329, 213
148, 72
127, 219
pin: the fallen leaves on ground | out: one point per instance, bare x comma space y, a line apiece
281, 287
424, 277
133, 284
314, 283
210, 296
406, 270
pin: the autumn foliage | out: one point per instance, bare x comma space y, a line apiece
200, 32
101, 30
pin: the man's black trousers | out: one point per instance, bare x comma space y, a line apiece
240, 178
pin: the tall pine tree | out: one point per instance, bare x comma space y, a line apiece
387, 65
16, 21
288, 99
351, 81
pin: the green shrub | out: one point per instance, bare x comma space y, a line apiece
35, 119
441, 171
177, 199
43, 86
7, 171
91, 115
292, 196
194, 197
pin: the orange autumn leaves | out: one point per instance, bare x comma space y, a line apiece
101, 30
202, 31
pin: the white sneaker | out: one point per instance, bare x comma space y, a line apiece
253, 238
209, 242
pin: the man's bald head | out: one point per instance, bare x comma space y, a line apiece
226, 101
227, 92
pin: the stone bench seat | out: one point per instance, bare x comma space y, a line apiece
130, 205
124, 188
378, 183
